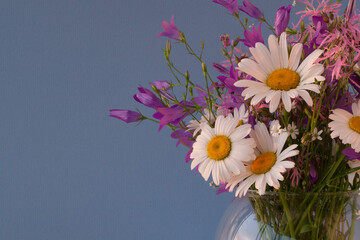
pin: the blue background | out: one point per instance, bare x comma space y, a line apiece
68, 170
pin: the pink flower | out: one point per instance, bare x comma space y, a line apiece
170, 30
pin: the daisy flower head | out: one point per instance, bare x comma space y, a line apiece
278, 75
221, 151
275, 128
316, 134
292, 130
196, 124
269, 164
241, 115
346, 125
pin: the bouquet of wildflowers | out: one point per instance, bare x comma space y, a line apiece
283, 115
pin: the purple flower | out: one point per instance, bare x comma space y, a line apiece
162, 87
313, 174
251, 38
230, 5
148, 98
282, 19
351, 154
321, 30
183, 136
127, 116
222, 188
251, 10
170, 30
187, 157
170, 115
354, 81
229, 81
220, 68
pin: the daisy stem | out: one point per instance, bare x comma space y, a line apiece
288, 215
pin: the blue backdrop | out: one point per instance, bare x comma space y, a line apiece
68, 170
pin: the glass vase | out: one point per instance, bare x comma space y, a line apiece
285, 216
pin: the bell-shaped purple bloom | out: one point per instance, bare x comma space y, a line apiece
321, 30
251, 10
127, 116
351, 154
354, 81
170, 30
148, 98
251, 38
183, 136
231, 5
313, 174
162, 87
170, 115
282, 19
218, 67
222, 188
229, 81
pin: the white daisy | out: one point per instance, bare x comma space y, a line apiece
292, 130
196, 124
241, 115
316, 135
280, 76
346, 126
221, 151
275, 128
353, 164
270, 162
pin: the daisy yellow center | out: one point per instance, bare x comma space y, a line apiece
283, 79
219, 147
263, 163
241, 122
354, 124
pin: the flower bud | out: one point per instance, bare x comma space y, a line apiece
168, 45
203, 65
325, 17
225, 39
302, 26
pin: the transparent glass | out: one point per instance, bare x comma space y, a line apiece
285, 216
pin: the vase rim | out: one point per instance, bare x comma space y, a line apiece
255, 193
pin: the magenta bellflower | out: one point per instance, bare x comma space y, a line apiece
251, 10
170, 30
351, 154
127, 116
231, 5
251, 38
282, 19
148, 98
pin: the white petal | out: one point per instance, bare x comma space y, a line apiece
252, 68
274, 51
295, 56
286, 100
284, 56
